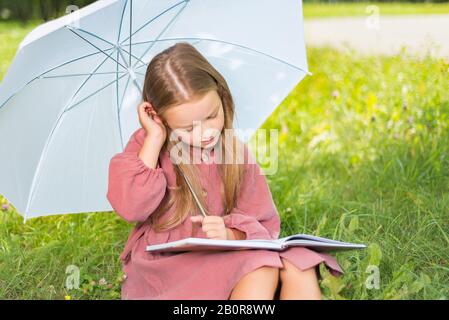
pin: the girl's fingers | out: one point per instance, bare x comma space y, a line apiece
150, 112
210, 227
158, 121
145, 105
216, 234
196, 218
215, 219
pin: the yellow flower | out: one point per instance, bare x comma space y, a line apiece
68, 297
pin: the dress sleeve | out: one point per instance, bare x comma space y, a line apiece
255, 213
134, 189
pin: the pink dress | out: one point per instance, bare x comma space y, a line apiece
135, 190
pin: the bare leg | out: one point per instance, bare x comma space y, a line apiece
259, 284
297, 284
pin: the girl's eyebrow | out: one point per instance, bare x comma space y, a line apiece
210, 114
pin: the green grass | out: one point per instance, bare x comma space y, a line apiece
324, 10
11, 33
363, 157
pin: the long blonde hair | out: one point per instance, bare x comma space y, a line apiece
177, 75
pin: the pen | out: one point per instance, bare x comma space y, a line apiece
203, 212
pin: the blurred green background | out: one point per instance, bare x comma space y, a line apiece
363, 158
26, 10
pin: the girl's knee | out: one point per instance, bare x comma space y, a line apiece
268, 271
291, 271
263, 275
260, 283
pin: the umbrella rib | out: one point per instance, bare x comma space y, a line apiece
83, 74
44, 151
160, 14
87, 79
123, 97
120, 49
43, 154
138, 59
135, 57
123, 58
102, 88
111, 44
117, 84
162, 32
121, 22
130, 30
50, 70
143, 63
72, 30
117, 98
226, 42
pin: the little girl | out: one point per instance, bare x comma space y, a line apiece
187, 103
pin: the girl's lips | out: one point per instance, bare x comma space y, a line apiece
207, 141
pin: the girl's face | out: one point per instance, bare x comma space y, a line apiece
197, 123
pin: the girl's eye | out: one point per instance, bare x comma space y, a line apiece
211, 117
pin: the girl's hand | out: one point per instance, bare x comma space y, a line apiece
213, 226
151, 122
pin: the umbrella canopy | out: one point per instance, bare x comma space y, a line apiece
68, 101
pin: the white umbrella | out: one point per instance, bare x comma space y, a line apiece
68, 101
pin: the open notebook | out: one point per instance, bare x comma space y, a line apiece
298, 240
